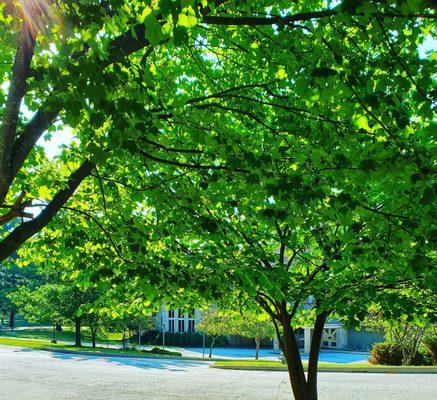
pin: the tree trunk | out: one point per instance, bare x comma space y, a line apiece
54, 334
212, 345
257, 343
314, 356
139, 336
123, 341
12, 318
58, 327
78, 337
294, 363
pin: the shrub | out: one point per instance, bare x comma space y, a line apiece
385, 354
148, 336
185, 339
391, 354
430, 344
157, 350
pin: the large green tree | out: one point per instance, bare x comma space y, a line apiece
283, 151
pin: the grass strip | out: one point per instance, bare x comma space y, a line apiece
66, 335
27, 343
324, 367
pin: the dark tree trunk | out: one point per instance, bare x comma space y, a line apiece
303, 388
94, 329
78, 337
123, 341
12, 318
27, 229
314, 356
257, 343
58, 327
212, 345
294, 363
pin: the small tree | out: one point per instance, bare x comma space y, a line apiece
215, 324
253, 326
406, 335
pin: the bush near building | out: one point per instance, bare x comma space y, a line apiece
183, 339
391, 354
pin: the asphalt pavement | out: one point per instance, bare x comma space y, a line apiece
27, 374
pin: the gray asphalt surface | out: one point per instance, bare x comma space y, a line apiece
26, 374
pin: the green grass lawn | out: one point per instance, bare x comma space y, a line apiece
39, 344
67, 335
28, 343
323, 367
46, 345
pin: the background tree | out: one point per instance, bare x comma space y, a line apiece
253, 326
58, 303
215, 324
40, 305
430, 343
11, 277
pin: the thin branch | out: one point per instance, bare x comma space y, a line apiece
102, 228
189, 166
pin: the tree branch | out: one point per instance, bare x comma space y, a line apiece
120, 47
26, 230
20, 72
189, 166
307, 16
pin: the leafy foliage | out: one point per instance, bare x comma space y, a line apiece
430, 343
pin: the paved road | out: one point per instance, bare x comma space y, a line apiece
26, 374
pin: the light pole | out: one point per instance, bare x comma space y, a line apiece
54, 333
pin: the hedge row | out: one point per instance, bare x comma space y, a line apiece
183, 339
